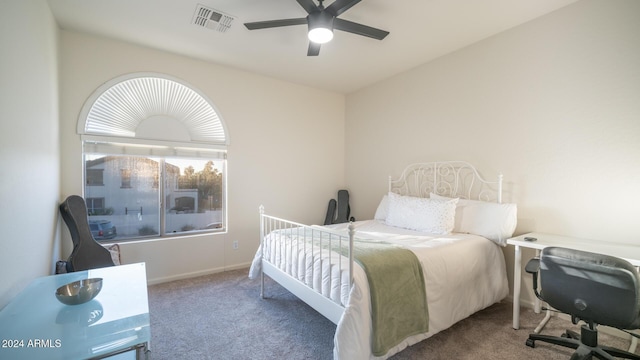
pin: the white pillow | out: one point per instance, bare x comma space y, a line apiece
421, 214
496, 222
381, 211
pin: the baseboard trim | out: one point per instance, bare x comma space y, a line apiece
183, 276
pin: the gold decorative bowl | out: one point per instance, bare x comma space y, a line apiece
79, 292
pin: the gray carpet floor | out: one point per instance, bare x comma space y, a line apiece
221, 316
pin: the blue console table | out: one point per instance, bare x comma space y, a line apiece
35, 325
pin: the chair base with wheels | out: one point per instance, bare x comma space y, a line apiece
585, 343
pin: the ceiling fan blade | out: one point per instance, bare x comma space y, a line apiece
308, 5
340, 6
314, 49
275, 23
359, 29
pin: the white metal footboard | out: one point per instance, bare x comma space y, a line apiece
307, 261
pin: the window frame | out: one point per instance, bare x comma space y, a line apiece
100, 132
162, 192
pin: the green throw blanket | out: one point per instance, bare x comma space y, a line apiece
396, 285
398, 296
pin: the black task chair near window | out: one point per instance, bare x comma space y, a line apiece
594, 288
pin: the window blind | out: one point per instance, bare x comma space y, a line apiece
153, 148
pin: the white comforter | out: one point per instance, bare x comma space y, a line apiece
463, 274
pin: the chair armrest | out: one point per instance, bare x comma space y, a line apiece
533, 266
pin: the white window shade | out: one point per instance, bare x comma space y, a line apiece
123, 146
141, 106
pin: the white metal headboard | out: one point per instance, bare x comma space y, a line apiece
447, 178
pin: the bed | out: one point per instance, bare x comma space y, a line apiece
430, 258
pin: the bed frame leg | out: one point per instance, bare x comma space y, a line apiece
261, 210
262, 285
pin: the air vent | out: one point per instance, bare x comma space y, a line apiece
212, 19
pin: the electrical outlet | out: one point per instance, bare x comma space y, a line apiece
235, 245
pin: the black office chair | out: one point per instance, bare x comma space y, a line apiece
594, 288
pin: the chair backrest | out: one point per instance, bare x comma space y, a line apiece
87, 253
593, 287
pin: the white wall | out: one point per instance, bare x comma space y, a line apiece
553, 104
286, 152
29, 150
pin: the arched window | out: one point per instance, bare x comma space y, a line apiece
154, 151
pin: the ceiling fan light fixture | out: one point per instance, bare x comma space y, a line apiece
320, 35
320, 27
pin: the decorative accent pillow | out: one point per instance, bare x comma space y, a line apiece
421, 214
381, 211
495, 221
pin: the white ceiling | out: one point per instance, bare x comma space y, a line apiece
420, 30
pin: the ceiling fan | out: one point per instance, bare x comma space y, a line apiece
321, 22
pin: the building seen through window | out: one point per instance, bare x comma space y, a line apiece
191, 199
